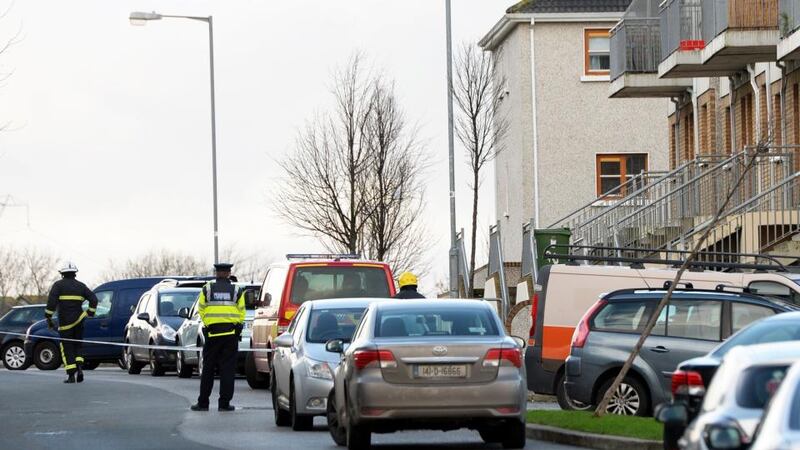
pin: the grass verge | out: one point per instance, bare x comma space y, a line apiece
635, 427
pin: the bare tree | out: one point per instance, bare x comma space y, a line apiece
395, 194
158, 263
324, 192
354, 177
248, 266
39, 271
479, 128
602, 407
9, 271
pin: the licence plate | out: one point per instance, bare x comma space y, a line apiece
441, 371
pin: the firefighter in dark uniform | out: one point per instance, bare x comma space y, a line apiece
67, 296
223, 316
408, 286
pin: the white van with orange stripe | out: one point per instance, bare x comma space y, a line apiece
566, 292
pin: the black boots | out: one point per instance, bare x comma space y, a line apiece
199, 407
227, 407
80, 375
70, 378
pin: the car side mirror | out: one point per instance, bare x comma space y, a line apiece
335, 346
265, 301
183, 312
672, 414
520, 341
723, 437
144, 316
284, 340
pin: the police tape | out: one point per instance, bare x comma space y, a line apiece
174, 348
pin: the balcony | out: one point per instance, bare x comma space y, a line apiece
789, 22
635, 54
738, 33
681, 39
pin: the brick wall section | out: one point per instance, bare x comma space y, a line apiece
707, 105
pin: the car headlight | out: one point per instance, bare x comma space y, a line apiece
319, 369
167, 332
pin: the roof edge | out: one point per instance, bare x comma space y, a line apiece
501, 29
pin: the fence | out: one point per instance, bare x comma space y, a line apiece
680, 22
721, 15
635, 47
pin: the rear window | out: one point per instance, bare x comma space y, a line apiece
435, 322
319, 282
621, 316
338, 323
758, 384
762, 332
169, 303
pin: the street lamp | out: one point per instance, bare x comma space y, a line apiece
141, 18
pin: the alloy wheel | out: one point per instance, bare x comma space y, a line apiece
46, 355
14, 357
625, 401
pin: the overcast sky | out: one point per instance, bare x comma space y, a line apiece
109, 137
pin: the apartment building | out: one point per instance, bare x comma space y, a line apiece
568, 143
729, 68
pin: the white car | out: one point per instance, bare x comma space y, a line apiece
742, 387
302, 370
780, 429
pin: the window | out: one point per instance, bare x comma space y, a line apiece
597, 59
613, 170
273, 284
316, 282
169, 303
775, 289
24, 316
103, 304
435, 322
761, 333
626, 317
744, 314
143, 304
327, 324
758, 384
693, 319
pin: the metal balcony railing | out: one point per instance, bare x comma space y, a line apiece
681, 26
721, 15
788, 16
635, 47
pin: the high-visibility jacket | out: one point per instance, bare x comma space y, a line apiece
219, 308
67, 296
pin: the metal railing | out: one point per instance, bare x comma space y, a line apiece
635, 47
788, 16
681, 21
721, 15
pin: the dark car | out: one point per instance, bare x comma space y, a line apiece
155, 321
12, 347
690, 381
115, 300
693, 323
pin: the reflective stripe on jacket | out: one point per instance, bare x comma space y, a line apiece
218, 304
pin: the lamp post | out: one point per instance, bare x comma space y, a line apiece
141, 18
453, 254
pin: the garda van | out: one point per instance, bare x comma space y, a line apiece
565, 292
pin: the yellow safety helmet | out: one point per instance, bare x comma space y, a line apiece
407, 279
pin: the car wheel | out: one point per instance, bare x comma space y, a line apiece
14, 356
134, 367
46, 356
156, 368
282, 418
184, 370
90, 365
630, 398
254, 379
338, 432
514, 435
566, 403
358, 437
491, 435
299, 422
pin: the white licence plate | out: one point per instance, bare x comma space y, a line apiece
441, 371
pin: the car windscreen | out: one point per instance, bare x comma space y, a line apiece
169, 303
758, 384
430, 321
318, 282
762, 332
333, 323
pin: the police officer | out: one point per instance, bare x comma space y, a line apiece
223, 318
67, 296
408, 286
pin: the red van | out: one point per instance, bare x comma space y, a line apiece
308, 277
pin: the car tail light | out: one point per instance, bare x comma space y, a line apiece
687, 382
364, 358
534, 316
286, 318
494, 357
582, 330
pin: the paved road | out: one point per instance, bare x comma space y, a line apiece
114, 410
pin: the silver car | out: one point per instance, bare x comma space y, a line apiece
741, 388
302, 369
190, 333
429, 364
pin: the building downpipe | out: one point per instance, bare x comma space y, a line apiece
751, 69
784, 84
732, 88
535, 131
677, 102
